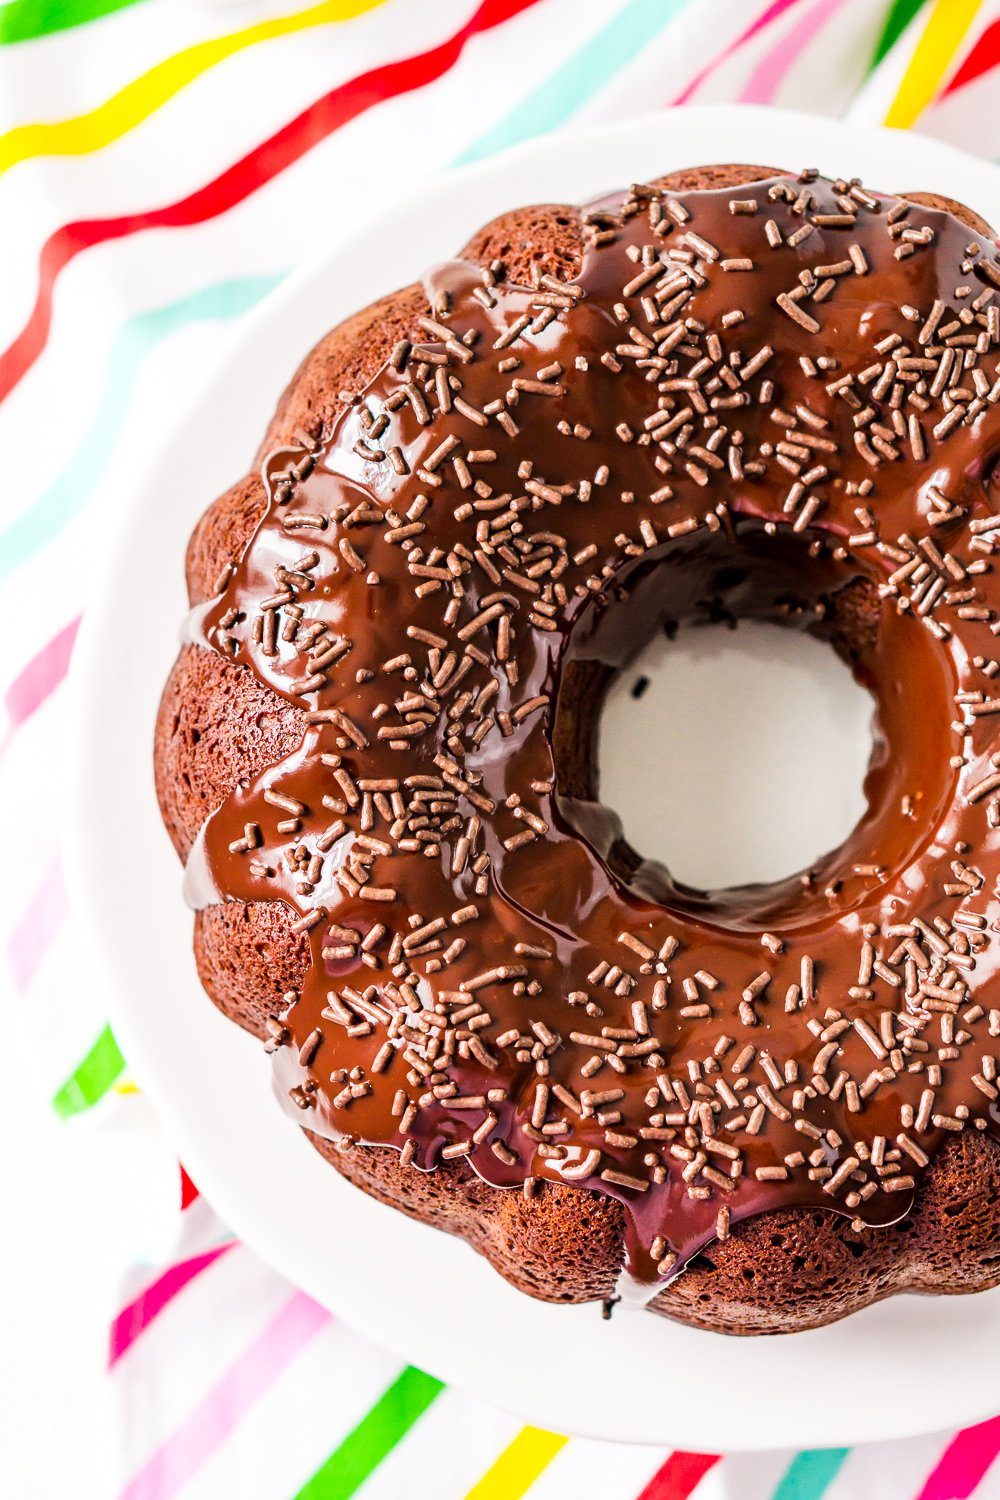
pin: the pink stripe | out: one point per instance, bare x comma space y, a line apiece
769, 74
771, 14
42, 675
964, 1463
229, 1401
138, 1315
39, 923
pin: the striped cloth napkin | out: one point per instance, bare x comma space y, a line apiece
153, 155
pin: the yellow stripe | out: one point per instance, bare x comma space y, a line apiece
946, 27
126, 1088
518, 1466
151, 90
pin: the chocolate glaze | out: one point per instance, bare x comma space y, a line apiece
773, 401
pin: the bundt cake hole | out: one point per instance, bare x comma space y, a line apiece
739, 580
762, 578
745, 759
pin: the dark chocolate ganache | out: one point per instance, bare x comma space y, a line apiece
777, 401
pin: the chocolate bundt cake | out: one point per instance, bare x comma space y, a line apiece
729, 393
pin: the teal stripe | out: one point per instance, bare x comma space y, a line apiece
73, 487
571, 86
810, 1474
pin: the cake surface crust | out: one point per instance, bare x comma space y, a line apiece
730, 393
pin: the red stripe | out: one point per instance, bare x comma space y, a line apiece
137, 1316
985, 55
679, 1477
240, 181
964, 1463
188, 1190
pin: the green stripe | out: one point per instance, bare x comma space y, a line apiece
92, 1078
898, 17
571, 86
24, 20
69, 492
810, 1473
365, 1446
